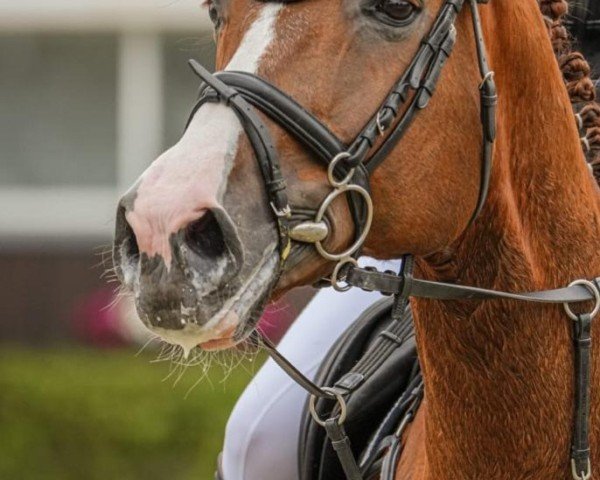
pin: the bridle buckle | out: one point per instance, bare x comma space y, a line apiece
489, 76
285, 212
581, 475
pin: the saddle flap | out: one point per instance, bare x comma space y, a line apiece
372, 397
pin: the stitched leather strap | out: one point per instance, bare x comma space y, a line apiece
285, 111
413, 287
243, 91
265, 151
488, 102
580, 450
341, 445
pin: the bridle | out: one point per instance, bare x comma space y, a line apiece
349, 167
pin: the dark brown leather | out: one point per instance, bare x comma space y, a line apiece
372, 280
244, 92
375, 396
580, 450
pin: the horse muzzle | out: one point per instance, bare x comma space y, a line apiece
178, 278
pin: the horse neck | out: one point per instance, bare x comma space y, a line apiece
499, 374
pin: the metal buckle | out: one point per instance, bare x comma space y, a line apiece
285, 212
594, 290
335, 280
334, 395
488, 76
581, 475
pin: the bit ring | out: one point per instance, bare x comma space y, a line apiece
336, 257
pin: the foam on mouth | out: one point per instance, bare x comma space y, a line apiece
192, 335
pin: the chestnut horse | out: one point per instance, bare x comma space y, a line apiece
197, 243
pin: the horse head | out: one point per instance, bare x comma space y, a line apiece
199, 236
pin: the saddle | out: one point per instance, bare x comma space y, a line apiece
378, 399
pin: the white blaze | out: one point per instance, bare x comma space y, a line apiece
256, 40
190, 178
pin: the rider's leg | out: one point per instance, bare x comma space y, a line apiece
261, 439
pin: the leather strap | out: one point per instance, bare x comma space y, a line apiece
341, 444
420, 78
407, 285
488, 102
265, 151
406, 406
286, 112
289, 368
243, 91
580, 449
392, 456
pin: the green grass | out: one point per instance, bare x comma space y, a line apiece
80, 414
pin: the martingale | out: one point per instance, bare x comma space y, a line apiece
349, 168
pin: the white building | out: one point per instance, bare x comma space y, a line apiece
90, 92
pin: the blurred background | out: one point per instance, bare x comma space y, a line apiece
91, 91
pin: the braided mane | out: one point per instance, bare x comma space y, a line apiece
577, 75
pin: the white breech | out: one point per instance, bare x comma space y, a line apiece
261, 440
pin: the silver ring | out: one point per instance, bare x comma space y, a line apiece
331, 171
340, 400
593, 289
335, 281
336, 257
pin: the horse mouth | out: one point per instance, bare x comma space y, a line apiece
218, 320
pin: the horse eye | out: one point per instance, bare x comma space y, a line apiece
213, 13
397, 10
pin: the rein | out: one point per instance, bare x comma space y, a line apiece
348, 168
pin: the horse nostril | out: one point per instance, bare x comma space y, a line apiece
130, 244
125, 245
205, 236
